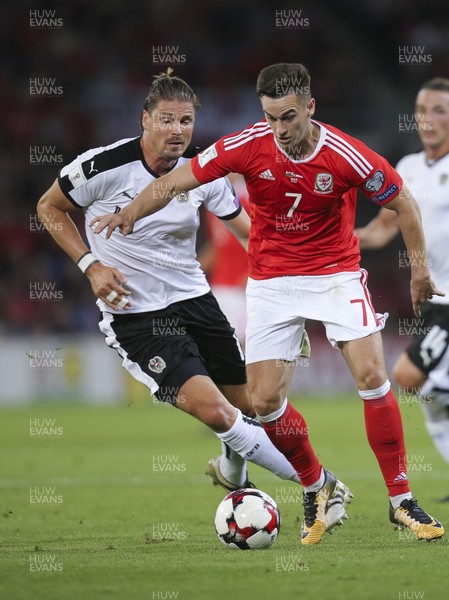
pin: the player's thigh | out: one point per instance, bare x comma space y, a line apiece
343, 303
407, 375
365, 359
269, 382
215, 339
155, 350
275, 323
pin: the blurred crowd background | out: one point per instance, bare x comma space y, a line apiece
103, 54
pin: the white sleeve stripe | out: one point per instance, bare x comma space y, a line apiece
350, 149
348, 158
248, 139
245, 133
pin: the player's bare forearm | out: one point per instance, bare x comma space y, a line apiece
239, 227
378, 232
53, 209
409, 218
151, 199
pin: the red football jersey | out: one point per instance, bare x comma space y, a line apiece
302, 211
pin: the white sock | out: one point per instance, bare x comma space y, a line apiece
436, 413
396, 500
248, 438
440, 436
315, 487
274, 415
232, 465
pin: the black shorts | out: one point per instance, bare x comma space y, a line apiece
165, 348
428, 349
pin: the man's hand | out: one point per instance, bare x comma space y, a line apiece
422, 288
107, 285
111, 222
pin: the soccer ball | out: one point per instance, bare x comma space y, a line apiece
247, 519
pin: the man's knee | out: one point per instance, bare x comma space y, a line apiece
264, 402
372, 376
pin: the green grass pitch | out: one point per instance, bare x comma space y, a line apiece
112, 503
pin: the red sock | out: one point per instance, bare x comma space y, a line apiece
383, 424
290, 435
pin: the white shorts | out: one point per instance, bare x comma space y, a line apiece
278, 308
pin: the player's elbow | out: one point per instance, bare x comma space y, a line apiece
43, 205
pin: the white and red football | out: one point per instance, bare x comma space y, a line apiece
247, 519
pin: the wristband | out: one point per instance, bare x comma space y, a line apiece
86, 261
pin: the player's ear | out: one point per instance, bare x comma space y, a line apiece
311, 107
145, 119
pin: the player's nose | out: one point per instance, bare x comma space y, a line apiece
176, 127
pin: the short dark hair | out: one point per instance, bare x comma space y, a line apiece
168, 87
283, 79
440, 84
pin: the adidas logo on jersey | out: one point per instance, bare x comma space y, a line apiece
267, 174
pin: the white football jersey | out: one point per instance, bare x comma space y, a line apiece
429, 184
159, 258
